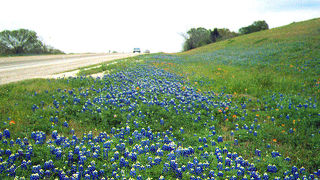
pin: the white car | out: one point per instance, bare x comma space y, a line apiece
136, 50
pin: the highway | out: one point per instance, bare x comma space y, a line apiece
19, 68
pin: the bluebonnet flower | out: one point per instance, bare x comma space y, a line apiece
11, 142
224, 150
268, 145
275, 154
204, 140
133, 156
272, 168
294, 169
265, 176
87, 177
123, 162
47, 173
236, 142
133, 172
139, 177
258, 152
213, 132
54, 134
157, 160
173, 164
287, 116
116, 155
65, 124
220, 166
6, 133
95, 174
34, 176
8, 152
181, 130
161, 121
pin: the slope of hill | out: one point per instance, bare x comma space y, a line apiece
306, 32
284, 59
272, 70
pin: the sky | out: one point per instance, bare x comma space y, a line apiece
77, 26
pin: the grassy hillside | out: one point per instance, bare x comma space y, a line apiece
271, 70
243, 108
306, 32
284, 59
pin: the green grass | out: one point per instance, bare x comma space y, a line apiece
284, 59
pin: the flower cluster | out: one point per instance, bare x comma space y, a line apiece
156, 125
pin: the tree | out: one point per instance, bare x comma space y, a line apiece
196, 37
225, 33
214, 35
20, 41
254, 27
2, 48
23, 41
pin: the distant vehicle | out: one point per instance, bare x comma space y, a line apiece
136, 50
147, 51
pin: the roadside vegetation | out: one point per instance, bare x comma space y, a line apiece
106, 67
246, 107
23, 42
197, 37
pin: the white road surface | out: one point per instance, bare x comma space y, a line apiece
14, 69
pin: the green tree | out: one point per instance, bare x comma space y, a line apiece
225, 33
214, 35
19, 41
196, 37
2, 48
23, 41
254, 27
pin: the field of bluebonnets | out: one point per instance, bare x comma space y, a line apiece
231, 110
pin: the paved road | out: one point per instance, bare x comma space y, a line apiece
27, 67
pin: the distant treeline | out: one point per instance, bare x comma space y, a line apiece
23, 42
197, 37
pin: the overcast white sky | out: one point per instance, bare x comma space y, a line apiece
121, 25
